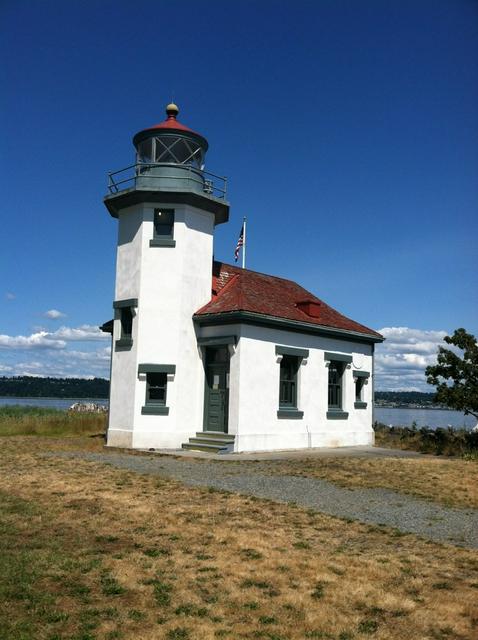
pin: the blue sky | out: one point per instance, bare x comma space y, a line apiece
348, 131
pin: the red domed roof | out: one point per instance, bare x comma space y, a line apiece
172, 124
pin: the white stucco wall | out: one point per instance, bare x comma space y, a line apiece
171, 283
259, 428
254, 392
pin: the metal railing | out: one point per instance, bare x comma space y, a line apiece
208, 182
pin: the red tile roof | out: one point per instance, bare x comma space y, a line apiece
171, 124
235, 289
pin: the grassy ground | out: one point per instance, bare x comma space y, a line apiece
23, 420
453, 482
91, 552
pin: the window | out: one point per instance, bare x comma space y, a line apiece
157, 378
359, 382
288, 382
290, 360
126, 323
163, 235
361, 379
163, 223
124, 312
337, 364
145, 151
156, 384
336, 370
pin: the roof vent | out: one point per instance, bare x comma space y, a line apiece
309, 307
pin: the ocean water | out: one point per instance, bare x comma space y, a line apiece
398, 417
433, 418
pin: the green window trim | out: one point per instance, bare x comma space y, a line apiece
126, 322
338, 357
291, 414
162, 242
124, 343
154, 410
211, 342
291, 351
360, 381
156, 391
337, 414
130, 302
360, 405
288, 383
156, 368
361, 374
335, 386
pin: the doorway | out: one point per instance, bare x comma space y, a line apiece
216, 392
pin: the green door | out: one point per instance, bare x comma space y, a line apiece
216, 401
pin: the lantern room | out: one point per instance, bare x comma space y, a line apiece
169, 167
170, 142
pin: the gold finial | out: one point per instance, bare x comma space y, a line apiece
172, 110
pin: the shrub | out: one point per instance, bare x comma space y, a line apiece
449, 442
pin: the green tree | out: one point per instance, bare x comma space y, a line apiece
456, 376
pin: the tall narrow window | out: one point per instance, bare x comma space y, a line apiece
336, 370
124, 314
359, 382
337, 364
290, 359
126, 323
288, 382
361, 379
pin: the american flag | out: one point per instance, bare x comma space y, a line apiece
240, 243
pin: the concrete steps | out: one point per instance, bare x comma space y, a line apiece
211, 441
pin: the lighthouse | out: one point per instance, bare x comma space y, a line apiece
209, 356
167, 206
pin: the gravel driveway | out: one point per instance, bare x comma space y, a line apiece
372, 506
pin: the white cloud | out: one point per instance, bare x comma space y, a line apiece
54, 340
85, 332
401, 360
10, 296
54, 314
67, 364
39, 340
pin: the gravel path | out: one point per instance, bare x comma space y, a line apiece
372, 506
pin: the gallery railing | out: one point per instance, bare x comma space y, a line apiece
168, 176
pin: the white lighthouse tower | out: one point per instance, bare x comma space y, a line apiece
167, 206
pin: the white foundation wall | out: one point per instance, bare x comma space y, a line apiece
254, 399
171, 283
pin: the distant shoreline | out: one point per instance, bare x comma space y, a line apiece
106, 398
56, 397
412, 406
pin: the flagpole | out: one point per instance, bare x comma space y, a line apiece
244, 244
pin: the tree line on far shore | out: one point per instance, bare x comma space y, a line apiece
34, 387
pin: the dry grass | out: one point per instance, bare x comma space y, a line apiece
91, 552
33, 421
453, 482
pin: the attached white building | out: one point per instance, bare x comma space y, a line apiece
209, 356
